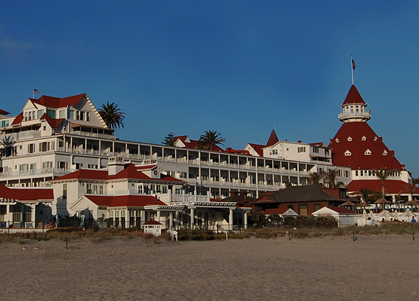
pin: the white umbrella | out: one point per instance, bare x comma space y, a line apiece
396, 215
384, 214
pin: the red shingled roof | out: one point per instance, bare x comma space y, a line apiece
129, 172
54, 123
26, 194
353, 97
258, 148
18, 119
3, 112
273, 138
390, 186
55, 102
342, 210
152, 222
358, 138
125, 200
194, 143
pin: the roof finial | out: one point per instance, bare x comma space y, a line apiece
353, 66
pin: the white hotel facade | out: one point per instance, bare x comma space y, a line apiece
52, 137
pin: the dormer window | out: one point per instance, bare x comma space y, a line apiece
363, 138
348, 153
385, 153
368, 152
349, 138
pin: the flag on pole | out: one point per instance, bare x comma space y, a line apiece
353, 64
35, 90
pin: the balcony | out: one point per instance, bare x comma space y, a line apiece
355, 115
35, 172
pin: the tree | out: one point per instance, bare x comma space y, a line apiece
383, 174
315, 178
208, 140
112, 115
331, 176
8, 142
415, 181
169, 140
366, 193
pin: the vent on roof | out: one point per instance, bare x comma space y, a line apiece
363, 138
337, 140
375, 138
348, 153
385, 153
367, 152
349, 138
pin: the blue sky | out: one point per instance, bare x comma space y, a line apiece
237, 67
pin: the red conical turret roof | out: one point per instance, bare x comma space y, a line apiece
353, 96
273, 138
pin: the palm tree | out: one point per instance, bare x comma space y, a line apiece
8, 142
415, 181
169, 140
315, 178
383, 174
112, 115
208, 140
331, 176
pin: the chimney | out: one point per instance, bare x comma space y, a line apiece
115, 165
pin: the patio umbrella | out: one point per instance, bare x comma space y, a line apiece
382, 202
348, 203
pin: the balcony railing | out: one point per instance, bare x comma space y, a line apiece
32, 172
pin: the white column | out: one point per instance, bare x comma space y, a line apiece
142, 217
192, 218
245, 220
158, 215
127, 218
230, 220
33, 215
177, 220
170, 225
9, 216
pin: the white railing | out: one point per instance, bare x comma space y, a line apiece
43, 171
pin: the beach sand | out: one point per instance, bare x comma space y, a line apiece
332, 268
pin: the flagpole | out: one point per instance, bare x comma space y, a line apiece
352, 70
33, 92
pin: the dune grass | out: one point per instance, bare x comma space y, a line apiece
96, 236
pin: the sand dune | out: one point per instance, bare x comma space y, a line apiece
331, 268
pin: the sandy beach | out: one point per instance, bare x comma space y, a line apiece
332, 268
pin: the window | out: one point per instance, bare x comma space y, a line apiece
348, 153
315, 149
81, 115
31, 148
4, 123
164, 189
40, 113
89, 188
87, 116
62, 113
51, 113
368, 152
71, 114
317, 207
64, 191
100, 189
302, 149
